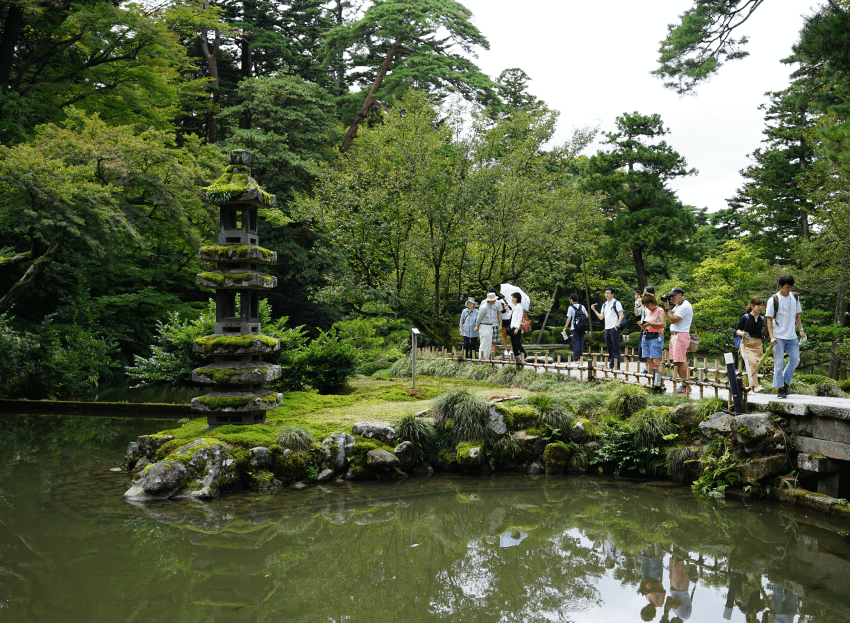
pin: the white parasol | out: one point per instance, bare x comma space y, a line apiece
508, 289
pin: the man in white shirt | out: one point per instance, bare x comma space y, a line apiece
782, 317
680, 317
612, 314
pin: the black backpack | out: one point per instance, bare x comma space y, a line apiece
622, 324
579, 320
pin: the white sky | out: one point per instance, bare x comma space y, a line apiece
591, 61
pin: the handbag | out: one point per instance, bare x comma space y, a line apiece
525, 324
694, 345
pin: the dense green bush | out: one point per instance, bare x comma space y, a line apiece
52, 361
294, 438
844, 385
324, 363
462, 416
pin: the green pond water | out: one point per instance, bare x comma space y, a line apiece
448, 548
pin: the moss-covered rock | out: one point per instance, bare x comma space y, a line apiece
236, 281
235, 373
556, 458
237, 401
248, 344
470, 455
237, 253
236, 185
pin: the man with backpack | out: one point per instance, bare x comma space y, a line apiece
615, 320
578, 325
783, 320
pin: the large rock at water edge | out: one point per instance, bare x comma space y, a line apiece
556, 458
406, 455
160, 481
344, 447
718, 424
374, 430
259, 458
758, 434
382, 459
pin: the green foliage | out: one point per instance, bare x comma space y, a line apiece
651, 425
696, 47
506, 448
844, 385
417, 430
620, 452
292, 130
294, 438
627, 400
646, 219
470, 416
325, 363
708, 407
718, 473
51, 361
678, 458
828, 387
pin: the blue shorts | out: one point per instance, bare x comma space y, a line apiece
653, 347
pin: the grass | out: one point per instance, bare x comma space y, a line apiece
370, 399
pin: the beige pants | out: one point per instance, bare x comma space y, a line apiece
751, 352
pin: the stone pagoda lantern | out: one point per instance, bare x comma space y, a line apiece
237, 372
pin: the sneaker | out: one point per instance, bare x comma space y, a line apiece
683, 390
782, 392
644, 371
759, 390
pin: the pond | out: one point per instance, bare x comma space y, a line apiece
501, 548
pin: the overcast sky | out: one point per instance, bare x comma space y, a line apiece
591, 61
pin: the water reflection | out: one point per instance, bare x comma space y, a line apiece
494, 549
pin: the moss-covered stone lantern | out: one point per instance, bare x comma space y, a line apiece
237, 371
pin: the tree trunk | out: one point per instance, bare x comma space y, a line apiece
587, 296
33, 272
11, 28
212, 64
367, 103
640, 267
841, 302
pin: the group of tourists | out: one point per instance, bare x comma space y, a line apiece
781, 319
479, 326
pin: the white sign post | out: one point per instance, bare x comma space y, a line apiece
414, 333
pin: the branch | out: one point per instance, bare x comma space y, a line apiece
33, 272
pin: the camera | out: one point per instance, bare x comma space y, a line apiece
665, 298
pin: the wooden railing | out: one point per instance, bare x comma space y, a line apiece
704, 373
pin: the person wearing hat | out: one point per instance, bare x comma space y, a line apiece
468, 318
680, 317
489, 319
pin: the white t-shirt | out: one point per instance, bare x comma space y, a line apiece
571, 312
611, 312
784, 322
684, 311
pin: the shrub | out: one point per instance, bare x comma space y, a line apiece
417, 430
51, 361
627, 400
844, 385
470, 416
828, 387
678, 458
294, 438
506, 448
325, 363
650, 426
371, 367
811, 379
705, 408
